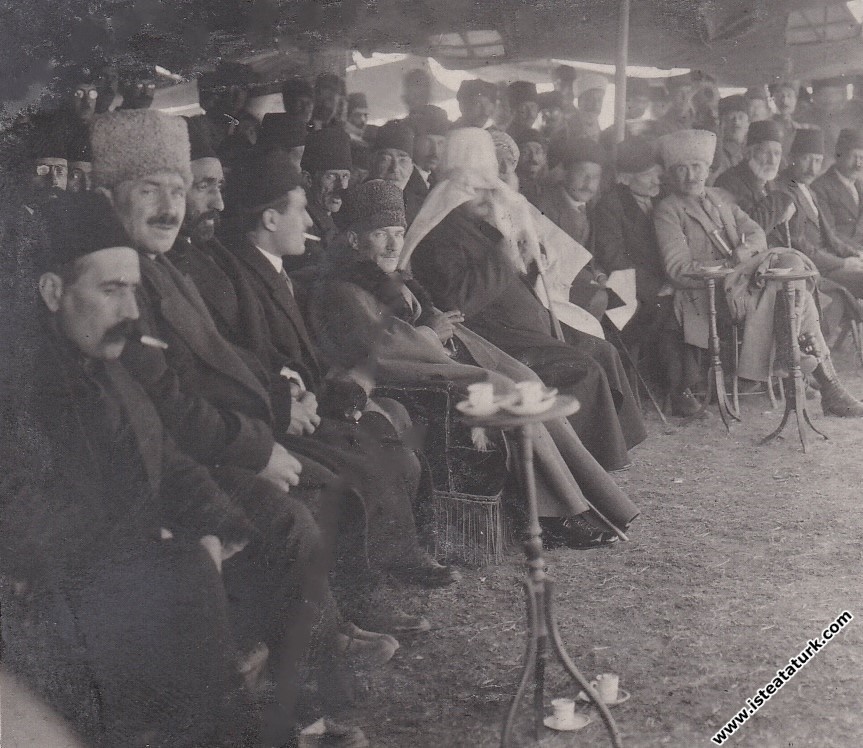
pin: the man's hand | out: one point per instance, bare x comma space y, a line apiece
443, 323
283, 469
789, 213
219, 552
853, 263
304, 414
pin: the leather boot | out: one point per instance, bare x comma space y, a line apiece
835, 399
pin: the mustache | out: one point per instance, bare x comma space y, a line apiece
209, 215
121, 331
171, 220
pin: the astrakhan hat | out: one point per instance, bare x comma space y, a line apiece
687, 146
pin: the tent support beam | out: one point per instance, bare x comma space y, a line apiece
620, 71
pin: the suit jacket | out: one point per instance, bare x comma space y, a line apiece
839, 208
415, 193
559, 209
809, 232
764, 207
625, 237
212, 402
683, 230
79, 482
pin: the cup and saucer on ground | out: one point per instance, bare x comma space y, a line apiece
607, 687
564, 718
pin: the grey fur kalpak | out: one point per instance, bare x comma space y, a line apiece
134, 143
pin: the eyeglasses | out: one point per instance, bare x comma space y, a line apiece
43, 170
90, 93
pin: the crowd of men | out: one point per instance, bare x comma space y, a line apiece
206, 498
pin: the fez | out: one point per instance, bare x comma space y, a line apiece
808, 141
763, 131
521, 91
849, 139
199, 140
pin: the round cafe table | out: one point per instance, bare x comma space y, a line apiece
795, 397
542, 627
715, 375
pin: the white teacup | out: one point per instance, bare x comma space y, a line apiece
564, 710
481, 394
530, 393
606, 685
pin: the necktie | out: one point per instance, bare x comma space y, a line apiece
287, 280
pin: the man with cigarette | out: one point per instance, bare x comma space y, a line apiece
216, 407
699, 226
102, 515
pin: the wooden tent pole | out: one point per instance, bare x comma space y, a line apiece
620, 71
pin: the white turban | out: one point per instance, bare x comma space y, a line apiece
469, 165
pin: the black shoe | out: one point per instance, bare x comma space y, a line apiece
572, 532
684, 404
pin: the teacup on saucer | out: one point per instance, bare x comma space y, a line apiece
576, 722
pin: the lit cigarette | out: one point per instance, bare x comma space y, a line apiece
153, 342
312, 237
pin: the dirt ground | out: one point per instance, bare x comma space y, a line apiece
741, 555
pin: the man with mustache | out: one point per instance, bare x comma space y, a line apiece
808, 231
699, 226
430, 125
215, 406
840, 189
590, 90
750, 182
392, 161
733, 124
102, 515
326, 165
531, 169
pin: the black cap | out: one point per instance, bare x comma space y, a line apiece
295, 87
77, 225
429, 120
581, 150
472, 89
267, 180
635, 155
199, 139
764, 130
520, 92
531, 136
550, 100
327, 150
734, 103
281, 130
810, 140
395, 134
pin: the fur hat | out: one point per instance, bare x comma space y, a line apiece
849, 139
583, 150
763, 131
520, 92
199, 139
810, 140
635, 155
588, 82
132, 143
377, 204
267, 179
429, 120
78, 225
327, 150
282, 131
735, 103
686, 146
395, 134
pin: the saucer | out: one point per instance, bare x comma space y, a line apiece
712, 268
622, 696
518, 409
777, 271
469, 409
578, 722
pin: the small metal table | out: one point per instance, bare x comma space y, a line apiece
538, 588
795, 400
715, 376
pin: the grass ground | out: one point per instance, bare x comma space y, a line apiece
741, 555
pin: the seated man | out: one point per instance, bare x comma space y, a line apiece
362, 308
839, 190
808, 230
626, 238
532, 167
102, 516
570, 205
472, 257
699, 226
392, 160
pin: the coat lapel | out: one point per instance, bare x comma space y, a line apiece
842, 195
279, 292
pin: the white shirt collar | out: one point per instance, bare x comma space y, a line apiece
424, 174
274, 260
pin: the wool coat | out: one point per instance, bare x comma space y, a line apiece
840, 211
